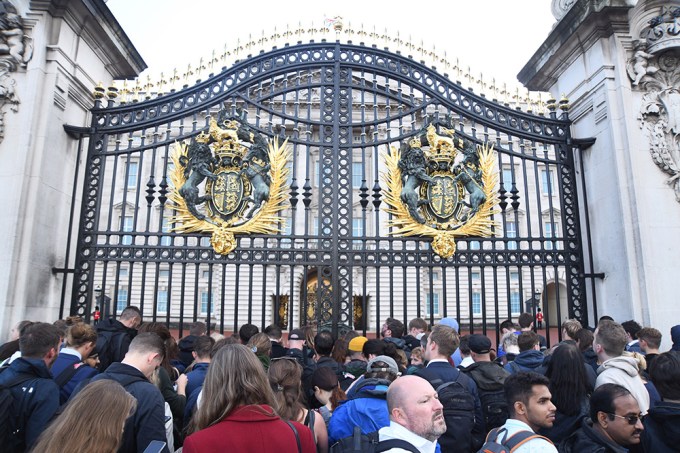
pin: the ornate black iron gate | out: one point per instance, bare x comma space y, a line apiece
340, 106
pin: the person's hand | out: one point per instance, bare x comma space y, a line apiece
182, 384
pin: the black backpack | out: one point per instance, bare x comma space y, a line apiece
459, 412
494, 443
12, 437
108, 347
494, 407
369, 443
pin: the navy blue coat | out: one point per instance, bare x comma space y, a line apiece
39, 395
65, 360
196, 377
148, 422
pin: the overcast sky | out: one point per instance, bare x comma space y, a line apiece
493, 37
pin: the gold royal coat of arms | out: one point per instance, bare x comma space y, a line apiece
441, 186
244, 179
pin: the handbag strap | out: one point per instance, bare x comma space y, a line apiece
297, 436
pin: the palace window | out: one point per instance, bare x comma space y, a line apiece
132, 173
127, 225
476, 303
433, 302
357, 174
162, 301
121, 299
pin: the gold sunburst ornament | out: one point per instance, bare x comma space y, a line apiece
244, 186
443, 192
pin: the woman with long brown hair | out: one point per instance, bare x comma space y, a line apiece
235, 410
285, 379
92, 422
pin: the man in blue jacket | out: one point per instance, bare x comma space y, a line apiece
145, 354
35, 395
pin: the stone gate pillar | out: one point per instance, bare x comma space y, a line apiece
618, 63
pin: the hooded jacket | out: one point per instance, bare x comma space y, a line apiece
662, 428
675, 336
36, 399
586, 439
489, 376
366, 407
624, 371
531, 360
186, 347
148, 421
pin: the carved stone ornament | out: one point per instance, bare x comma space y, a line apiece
16, 50
244, 187
655, 70
560, 7
445, 191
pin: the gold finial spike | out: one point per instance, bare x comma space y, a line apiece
505, 94
99, 91
161, 83
362, 31
174, 78
223, 55
287, 34
468, 76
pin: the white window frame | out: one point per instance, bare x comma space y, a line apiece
547, 184
357, 177
436, 305
162, 301
132, 176
515, 302
204, 302
476, 303
127, 225
511, 232
122, 299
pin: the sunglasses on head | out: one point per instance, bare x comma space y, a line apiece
631, 419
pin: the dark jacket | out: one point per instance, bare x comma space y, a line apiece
411, 342
662, 428
356, 367
398, 342
66, 360
590, 358
586, 439
196, 377
488, 376
176, 401
565, 425
9, 348
675, 336
113, 342
278, 350
186, 347
531, 360
36, 400
148, 422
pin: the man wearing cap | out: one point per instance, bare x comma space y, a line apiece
366, 404
441, 343
357, 364
489, 377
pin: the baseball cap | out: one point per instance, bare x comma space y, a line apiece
296, 334
389, 361
356, 344
479, 344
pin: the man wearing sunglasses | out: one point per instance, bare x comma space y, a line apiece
615, 423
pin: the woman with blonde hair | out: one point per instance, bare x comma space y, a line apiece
236, 410
92, 422
261, 345
285, 379
71, 366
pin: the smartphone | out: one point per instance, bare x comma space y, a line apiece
156, 446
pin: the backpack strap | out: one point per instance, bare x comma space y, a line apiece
67, 374
521, 437
297, 436
386, 445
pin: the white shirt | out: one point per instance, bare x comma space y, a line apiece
467, 361
396, 431
70, 351
534, 445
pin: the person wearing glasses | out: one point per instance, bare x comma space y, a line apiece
615, 423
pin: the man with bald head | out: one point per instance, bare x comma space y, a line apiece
416, 415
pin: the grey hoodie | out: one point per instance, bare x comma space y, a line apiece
624, 371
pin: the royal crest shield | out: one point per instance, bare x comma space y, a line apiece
229, 180
441, 186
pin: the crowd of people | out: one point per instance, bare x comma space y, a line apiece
128, 386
